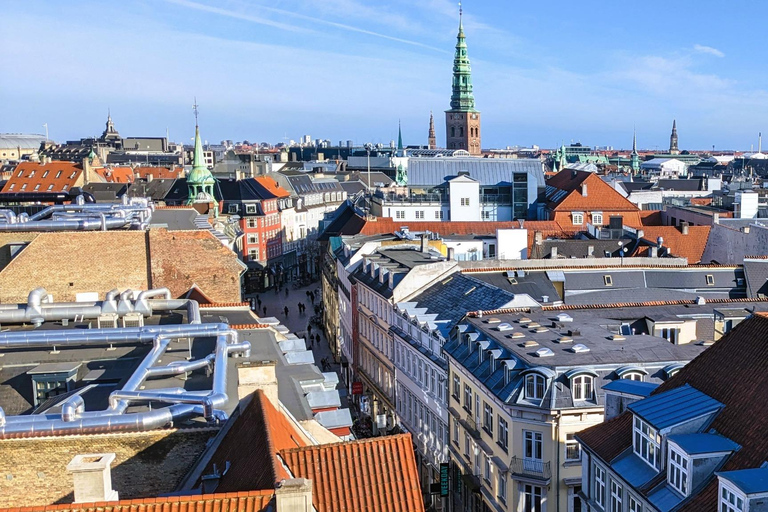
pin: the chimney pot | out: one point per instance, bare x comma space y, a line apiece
584, 189
451, 254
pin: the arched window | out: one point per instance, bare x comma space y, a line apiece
453, 131
583, 387
633, 376
461, 131
534, 386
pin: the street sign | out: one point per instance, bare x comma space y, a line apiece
444, 480
357, 388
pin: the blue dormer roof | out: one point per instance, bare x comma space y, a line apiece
631, 387
748, 481
675, 406
695, 444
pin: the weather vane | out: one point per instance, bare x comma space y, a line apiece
460, 11
194, 109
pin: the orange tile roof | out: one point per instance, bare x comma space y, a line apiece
651, 217
371, 475
251, 445
124, 174
272, 186
701, 201
251, 501
600, 195
56, 176
689, 246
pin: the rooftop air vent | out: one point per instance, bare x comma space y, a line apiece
579, 348
518, 335
541, 329
544, 352
493, 320
565, 339
534, 325
504, 327
524, 320
564, 317
618, 337
531, 343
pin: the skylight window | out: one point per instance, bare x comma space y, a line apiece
544, 352
579, 348
710, 280
608, 280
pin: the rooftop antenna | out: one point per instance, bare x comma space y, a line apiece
45, 125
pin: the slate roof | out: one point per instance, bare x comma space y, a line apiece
371, 475
756, 273
158, 189
347, 220
534, 284
731, 372
674, 407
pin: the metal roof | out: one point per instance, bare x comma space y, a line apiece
675, 407
430, 172
749, 481
631, 387
20, 140
695, 444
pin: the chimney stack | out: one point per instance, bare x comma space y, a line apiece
424, 243
294, 495
584, 189
684, 228
553, 253
590, 251
538, 237
451, 254
93, 477
255, 375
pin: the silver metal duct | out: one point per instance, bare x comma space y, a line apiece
74, 418
135, 213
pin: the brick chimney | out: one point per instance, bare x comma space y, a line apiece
294, 495
93, 477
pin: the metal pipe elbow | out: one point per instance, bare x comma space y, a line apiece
72, 408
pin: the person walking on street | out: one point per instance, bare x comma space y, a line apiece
285, 310
265, 310
309, 329
258, 301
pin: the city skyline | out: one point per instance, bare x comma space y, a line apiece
266, 73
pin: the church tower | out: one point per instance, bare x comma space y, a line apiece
462, 121
200, 181
432, 140
673, 150
110, 133
634, 159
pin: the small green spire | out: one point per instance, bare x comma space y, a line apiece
399, 137
462, 98
198, 162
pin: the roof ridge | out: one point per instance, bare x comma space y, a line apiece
356, 442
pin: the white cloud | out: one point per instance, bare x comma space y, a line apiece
700, 48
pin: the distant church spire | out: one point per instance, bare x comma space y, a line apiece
110, 133
673, 149
634, 159
200, 181
399, 136
432, 140
462, 121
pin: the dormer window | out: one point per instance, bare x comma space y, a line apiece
646, 443
583, 387
534, 386
633, 376
730, 500
677, 473
578, 218
608, 280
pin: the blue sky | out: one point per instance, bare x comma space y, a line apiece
263, 70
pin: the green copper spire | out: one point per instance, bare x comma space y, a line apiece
462, 98
200, 181
399, 137
634, 159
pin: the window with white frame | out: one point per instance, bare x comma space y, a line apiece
578, 218
456, 432
501, 487
464, 201
468, 398
534, 386
597, 218
503, 438
487, 468
419, 214
488, 418
670, 334
533, 445
633, 376
466, 445
647, 443
730, 500
634, 504
677, 473
400, 214
598, 485
253, 238
532, 498
582, 386
486, 215
616, 495
572, 448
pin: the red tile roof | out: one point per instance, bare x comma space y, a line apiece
251, 501
272, 186
251, 445
701, 201
372, 475
123, 174
600, 195
689, 246
54, 176
732, 372
651, 217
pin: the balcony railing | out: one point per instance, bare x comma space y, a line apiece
534, 469
472, 426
